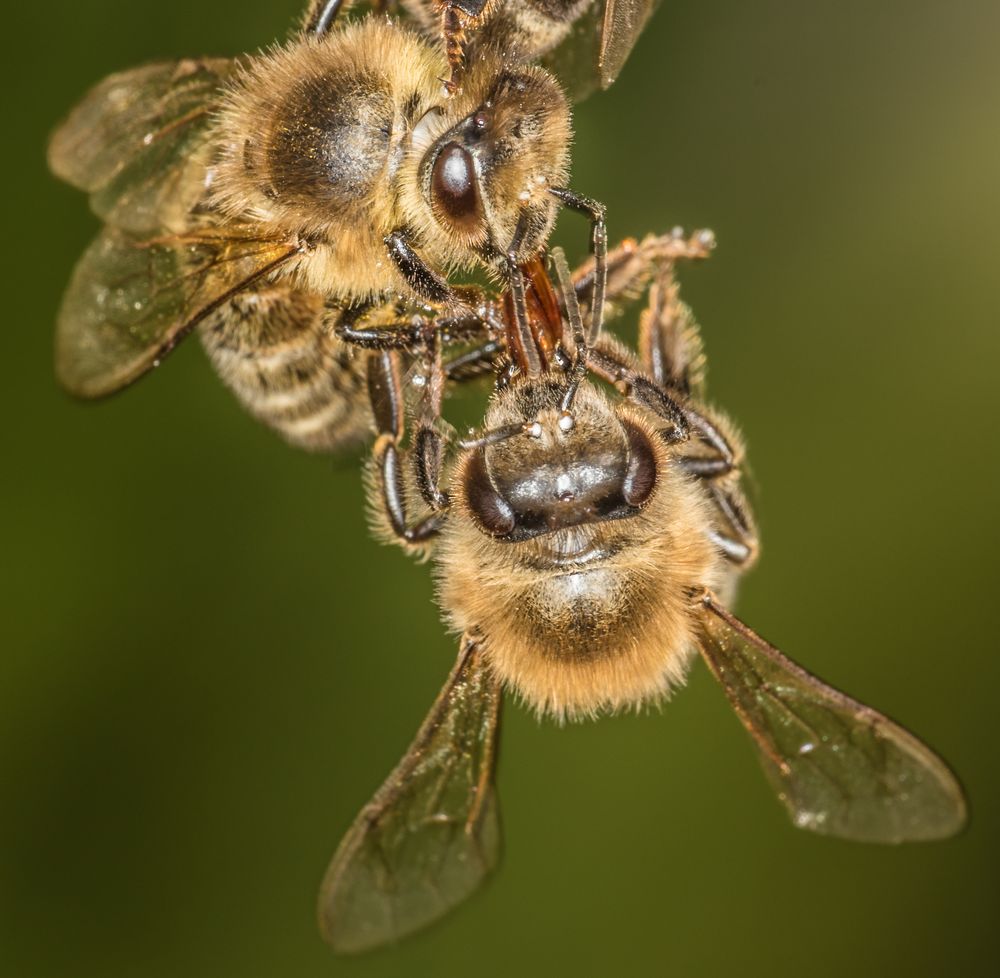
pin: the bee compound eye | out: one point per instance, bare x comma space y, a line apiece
640, 475
455, 188
491, 510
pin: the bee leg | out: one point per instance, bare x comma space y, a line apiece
321, 14
627, 274
598, 246
428, 442
385, 390
413, 333
457, 17
475, 363
669, 341
424, 281
738, 538
722, 458
608, 362
632, 264
719, 472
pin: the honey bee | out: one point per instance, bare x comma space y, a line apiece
587, 544
256, 200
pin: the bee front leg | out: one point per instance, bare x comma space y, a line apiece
669, 341
428, 442
632, 265
737, 537
457, 18
421, 278
478, 362
608, 360
385, 390
599, 248
717, 465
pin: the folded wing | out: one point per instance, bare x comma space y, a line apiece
138, 143
131, 300
431, 834
839, 767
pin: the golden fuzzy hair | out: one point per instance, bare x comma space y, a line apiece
577, 642
375, 74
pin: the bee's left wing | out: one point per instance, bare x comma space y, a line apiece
138, 142
431, 833
839, 767
131, 300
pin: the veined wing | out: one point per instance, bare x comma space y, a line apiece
431, 834
138, 143
585, 43
839, 767
130, 301
623, 22
596, 49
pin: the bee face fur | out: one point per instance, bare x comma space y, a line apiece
571, 551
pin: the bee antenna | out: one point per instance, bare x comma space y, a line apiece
494, 435
572, 304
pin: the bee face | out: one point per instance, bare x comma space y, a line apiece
571, 468
499, 160
571, 546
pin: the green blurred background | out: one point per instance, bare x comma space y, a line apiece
207, 666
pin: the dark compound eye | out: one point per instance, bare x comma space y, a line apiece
640, 477
492, 511
455, 190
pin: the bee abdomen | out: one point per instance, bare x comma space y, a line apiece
276, 352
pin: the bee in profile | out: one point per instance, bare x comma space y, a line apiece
257, 199
587, 545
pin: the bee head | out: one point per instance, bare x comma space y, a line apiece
595, 463
509, 147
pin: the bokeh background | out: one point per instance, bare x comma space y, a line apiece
207, 666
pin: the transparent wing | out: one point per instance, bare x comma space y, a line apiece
839, 767
596, 49
585, 43
138, 143
130, 301
431, 834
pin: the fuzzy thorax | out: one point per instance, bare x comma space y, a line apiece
311, 138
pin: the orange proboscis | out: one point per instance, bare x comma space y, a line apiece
544, 316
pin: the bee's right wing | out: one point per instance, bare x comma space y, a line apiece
431, 833
131, 300
138, 143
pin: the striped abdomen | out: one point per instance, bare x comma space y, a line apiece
276, 350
